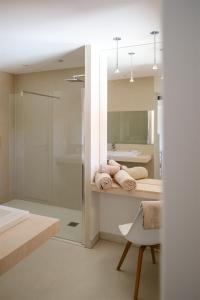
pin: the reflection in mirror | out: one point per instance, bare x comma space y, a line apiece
129, 127
134, 120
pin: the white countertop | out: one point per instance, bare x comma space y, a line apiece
129, 156
146, 188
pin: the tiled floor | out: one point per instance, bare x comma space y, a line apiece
63, 271
65, 215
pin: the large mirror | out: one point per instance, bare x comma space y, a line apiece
134, 109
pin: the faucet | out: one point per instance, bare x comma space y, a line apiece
113, 146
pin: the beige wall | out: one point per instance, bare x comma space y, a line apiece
126, 96
6, 87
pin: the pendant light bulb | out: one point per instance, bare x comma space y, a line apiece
154, 33
131, 61
155, 67
117, 39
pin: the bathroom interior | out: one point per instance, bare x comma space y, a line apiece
46, 115
66, 115
81, 150
47, 110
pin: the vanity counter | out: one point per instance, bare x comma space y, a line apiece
129, 156
21, 240
146, 188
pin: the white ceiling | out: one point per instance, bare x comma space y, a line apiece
35, 32
142, 61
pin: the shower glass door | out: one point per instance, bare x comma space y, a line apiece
48, 156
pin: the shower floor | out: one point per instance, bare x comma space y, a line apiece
65, 215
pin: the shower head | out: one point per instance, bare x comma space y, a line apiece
76, 78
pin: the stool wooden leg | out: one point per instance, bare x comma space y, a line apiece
153, 255
126, 249
138, 271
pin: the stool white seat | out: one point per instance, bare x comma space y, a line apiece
135, 233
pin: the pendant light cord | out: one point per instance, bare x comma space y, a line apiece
154, 33
117, 60
154, 49
117, 39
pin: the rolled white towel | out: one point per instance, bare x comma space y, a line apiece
103, 181
124, 167
137, 172
111, 170
112, 162
125, 180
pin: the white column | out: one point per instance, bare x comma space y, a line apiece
103, 106
181, 225
92, 142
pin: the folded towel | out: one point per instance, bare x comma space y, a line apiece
103, 181
112, 162
111, 170
136, 172
125, 180
151, 214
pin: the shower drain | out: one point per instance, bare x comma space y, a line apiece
72, 224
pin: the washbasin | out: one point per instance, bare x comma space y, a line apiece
129, 156
10, 217
124, 153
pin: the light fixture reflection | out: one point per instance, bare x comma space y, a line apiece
154, 33
117, 39
131, 62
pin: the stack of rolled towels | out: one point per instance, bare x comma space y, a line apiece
124, 176
125, 180
103, 181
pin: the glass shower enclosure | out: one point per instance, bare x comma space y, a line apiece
47, 148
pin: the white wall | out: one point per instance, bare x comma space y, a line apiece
181, 225
6, 88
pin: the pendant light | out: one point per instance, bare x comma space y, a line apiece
131, 61
154, 33
117, 39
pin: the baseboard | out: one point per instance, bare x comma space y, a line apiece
112, 237
93, 242
66, 241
